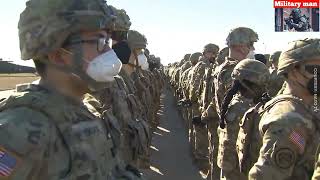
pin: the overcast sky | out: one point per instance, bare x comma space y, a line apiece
175, 27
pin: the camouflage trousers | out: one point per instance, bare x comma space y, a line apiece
190, 128
193, 111
214, 171
200, 142
227, 158
201, 151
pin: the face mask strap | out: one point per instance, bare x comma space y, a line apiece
137, 66
77, 67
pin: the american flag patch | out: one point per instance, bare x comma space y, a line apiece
7, 163
298, 140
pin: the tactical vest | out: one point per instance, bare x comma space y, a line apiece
137, 128
249, 139
207, 90
86, 137
221, 86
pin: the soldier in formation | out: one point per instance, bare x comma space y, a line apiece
268, 117
91, 114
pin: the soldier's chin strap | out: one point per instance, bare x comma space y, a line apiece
136, 66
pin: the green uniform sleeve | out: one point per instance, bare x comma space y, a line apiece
24, 136
284, 143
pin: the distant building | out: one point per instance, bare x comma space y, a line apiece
7, 67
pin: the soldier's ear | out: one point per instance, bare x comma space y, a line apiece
59, 57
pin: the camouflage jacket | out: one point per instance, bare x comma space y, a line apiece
290, 135
45, 135
227, 155
316, 173
223, 81
275, 83
207, 87
197, 74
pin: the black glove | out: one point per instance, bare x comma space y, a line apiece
196, 120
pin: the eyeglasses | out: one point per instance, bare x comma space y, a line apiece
102, 43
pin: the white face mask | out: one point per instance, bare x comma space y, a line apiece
143, 62
251, 55
104, 67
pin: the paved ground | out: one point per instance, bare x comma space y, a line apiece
171, 151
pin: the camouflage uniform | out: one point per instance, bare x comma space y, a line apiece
138, 41
290, 128
194, 109
45, 134
223, 53
258, 75
122, 25
276, 81
131, 138
200, 89
227, 156
210, 117
316, 173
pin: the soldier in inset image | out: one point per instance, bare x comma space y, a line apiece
297, 21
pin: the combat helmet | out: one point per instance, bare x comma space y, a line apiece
251, 70
298, 52
194, 58
223, 53
211, 48
186, 57
44, 28
136, 40
274, 58
241, 35
122, 24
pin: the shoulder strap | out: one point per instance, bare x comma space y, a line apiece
36, 100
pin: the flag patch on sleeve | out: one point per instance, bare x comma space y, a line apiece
298, 140
7, 163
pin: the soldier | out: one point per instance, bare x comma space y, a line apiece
223, 53
297, 21
261, 58
194, 58
276, 81
132, 133
199, 90
252, 77
119, 35
46, 132
185, 66
184, 84
134, 79
290, 128
240, 42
